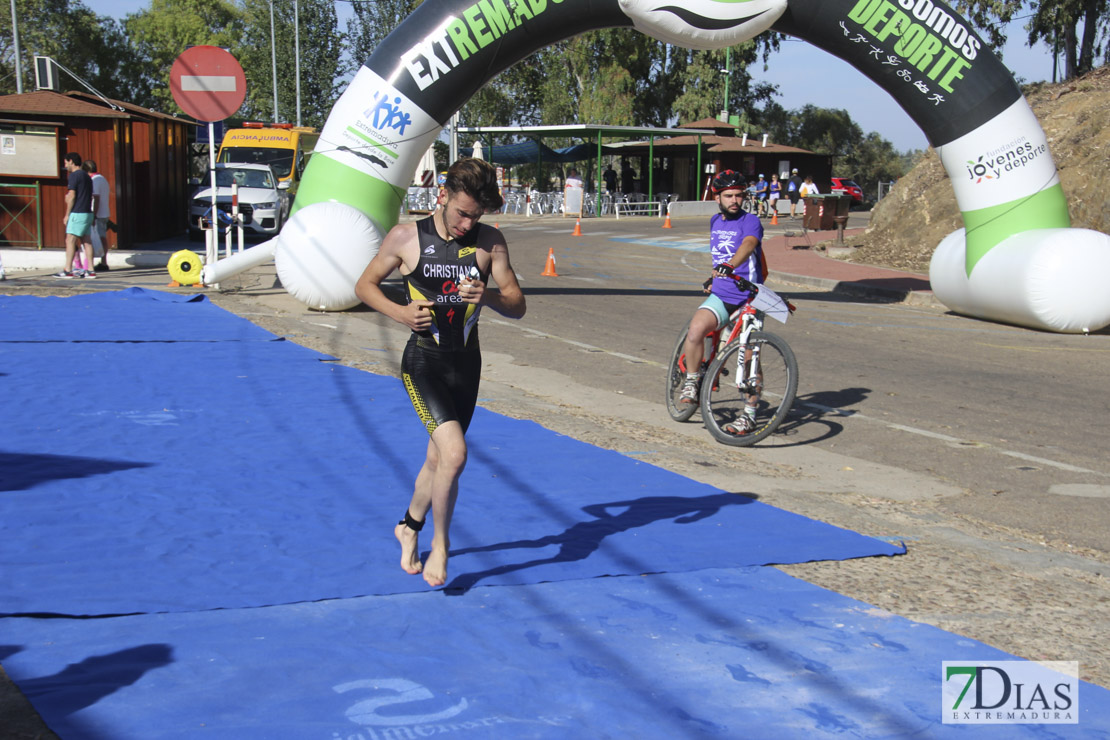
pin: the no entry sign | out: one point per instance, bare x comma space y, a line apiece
208, 83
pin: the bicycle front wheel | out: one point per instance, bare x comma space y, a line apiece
722, 402
676, 375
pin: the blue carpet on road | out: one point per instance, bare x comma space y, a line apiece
148, 475
720, 653
168, 460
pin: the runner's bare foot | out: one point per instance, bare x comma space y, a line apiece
435, 568
410, 552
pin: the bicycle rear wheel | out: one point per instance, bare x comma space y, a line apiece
676, 375
723, 403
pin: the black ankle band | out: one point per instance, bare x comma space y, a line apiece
411, 523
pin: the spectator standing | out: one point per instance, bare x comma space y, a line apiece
628, 177
794, 191
774, 190
101, 209
574, 181
78, 218
761, 191
610, 177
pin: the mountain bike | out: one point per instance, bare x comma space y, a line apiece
763, 365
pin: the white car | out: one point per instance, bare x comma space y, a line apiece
263, 201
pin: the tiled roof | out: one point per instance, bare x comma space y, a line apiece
130, 107
713, 123
730, 144
754, 146
55, 104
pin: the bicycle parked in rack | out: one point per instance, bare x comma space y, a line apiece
744, 366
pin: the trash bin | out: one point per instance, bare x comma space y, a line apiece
822, 210
815, 218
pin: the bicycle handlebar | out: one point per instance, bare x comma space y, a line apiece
743, 283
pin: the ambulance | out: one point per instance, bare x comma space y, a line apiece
283, 146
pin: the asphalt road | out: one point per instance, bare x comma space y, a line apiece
1013, 420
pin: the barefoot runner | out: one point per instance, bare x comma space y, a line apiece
446, 260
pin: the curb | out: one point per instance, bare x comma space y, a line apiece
858, 290
52, 259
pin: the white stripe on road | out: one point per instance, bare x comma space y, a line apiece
829, 409
581, 345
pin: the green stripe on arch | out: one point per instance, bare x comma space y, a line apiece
987, 227
327, 180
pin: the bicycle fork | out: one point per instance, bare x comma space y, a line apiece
749, 378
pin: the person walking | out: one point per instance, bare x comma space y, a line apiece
101, 210
446, 261
78, 218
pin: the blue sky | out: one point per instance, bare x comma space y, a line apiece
793, 68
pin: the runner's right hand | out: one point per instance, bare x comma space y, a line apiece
419, 315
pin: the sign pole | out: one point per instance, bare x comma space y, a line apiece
209, 85
211, 250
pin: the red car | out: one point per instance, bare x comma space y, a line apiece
844, 186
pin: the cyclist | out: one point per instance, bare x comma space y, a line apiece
736, 244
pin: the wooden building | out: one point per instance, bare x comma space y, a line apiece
675, 159
142, 153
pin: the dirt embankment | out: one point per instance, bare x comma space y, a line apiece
907, 225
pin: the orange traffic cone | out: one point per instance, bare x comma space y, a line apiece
775, 217
549, 268
667, 220
577, 228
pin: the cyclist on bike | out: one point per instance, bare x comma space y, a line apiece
736, 244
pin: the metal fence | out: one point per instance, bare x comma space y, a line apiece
20, 215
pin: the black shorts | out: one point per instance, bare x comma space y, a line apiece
442, 385
794, 196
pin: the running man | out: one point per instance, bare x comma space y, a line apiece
736, 244
446, 261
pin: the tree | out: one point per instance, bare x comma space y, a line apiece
321, 46
93, 47
872, 160
371, 21
704, 79
161, 32
867, 159
1055, 22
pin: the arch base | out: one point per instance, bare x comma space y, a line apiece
1052, 279
322, 251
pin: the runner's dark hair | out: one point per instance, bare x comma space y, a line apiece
478, 179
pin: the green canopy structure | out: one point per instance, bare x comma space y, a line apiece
589, 131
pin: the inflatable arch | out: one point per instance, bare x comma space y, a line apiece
1016, 261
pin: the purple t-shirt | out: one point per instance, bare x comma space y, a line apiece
725, 236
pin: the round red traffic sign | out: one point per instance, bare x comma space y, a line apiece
208, 83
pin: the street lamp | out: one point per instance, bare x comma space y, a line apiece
297, 54
15, 42
273, 58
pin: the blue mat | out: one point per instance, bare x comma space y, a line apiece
745, 653
243, 473
127, 315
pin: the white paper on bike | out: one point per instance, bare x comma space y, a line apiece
771, 303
